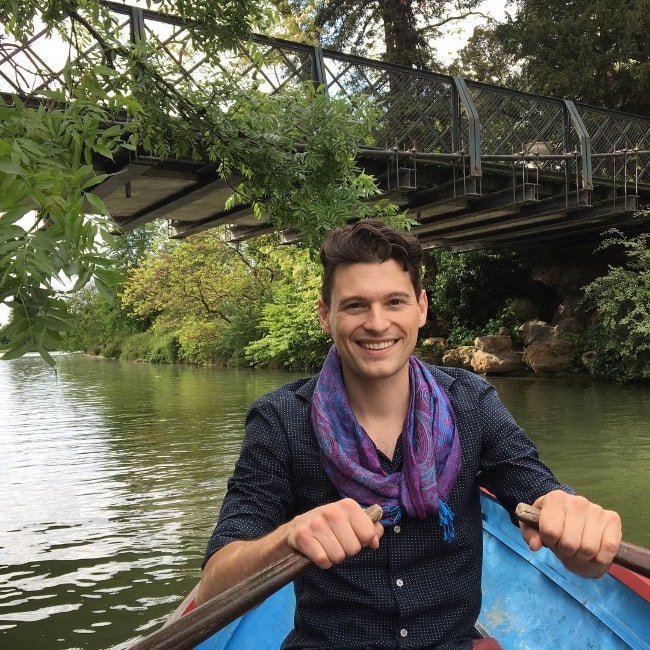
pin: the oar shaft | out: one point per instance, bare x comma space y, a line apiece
630, 556
200, 623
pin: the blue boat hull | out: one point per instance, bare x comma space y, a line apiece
529, 602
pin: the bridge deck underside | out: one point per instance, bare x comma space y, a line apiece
505, 208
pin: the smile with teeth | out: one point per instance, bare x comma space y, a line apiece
382, 345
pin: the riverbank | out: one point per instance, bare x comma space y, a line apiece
544, 350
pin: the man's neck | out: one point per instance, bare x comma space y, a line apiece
380, 408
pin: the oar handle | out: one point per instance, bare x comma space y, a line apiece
630, 556
206, 619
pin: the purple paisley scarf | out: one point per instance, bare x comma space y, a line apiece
430, 445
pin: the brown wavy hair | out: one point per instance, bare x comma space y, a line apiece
365, 242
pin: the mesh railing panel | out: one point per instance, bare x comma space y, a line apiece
416, 107
516, 123
617, 133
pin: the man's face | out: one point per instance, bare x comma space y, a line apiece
374, 318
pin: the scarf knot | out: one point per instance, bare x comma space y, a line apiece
430, 446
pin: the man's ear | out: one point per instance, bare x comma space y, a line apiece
423, 306
323, 316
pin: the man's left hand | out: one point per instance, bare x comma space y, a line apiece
582, 534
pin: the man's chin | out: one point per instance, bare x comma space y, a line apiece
377, 371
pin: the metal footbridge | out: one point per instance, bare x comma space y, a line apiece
478, 166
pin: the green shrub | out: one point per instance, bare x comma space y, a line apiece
619, 339
470, 294
199, 342
293, 337
113, 350
163, 348
135, 348
151, 346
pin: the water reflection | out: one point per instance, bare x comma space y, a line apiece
113, 474
594, 435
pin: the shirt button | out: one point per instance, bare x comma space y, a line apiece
403, 632
399, 582
397, 529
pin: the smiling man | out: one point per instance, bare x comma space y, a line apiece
377, 425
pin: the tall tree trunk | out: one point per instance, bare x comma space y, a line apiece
404, 45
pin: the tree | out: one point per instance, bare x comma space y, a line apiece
484, 59
54, 230
97, 326
201, 277
131, 248
101, 324
204, 292
584, 50
406, 29
469, 292
46, 179
291, 334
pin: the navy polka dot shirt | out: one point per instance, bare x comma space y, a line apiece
416, 590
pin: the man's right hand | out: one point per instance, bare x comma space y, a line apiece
326, 535
330, 533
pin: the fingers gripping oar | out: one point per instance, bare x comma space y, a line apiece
630, 556
197, 625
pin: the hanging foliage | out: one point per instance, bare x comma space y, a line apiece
54, 231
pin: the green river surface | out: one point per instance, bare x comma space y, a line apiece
112, 475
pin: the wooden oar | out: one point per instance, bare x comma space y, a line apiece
630, 556
199, 624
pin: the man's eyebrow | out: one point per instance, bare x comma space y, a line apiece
354, 298
388, 296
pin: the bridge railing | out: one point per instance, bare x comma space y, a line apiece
454, 121
620, 145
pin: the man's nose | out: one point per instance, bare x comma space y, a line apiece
376, 319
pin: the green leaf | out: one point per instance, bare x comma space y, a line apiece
55, 95
8, 167
82, 279
47, 357
96, 203
15, 214
105, 290
9, 247
103, 150
56, 324
43, 263
17, 351
95, 180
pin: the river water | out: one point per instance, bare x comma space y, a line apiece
112, 475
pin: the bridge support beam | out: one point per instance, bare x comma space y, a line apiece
461, 96
585, 144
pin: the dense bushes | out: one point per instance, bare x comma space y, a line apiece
618, 341
152, 347
292, 335
472, 294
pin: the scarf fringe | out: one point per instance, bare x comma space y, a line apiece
392, 514
446, 517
